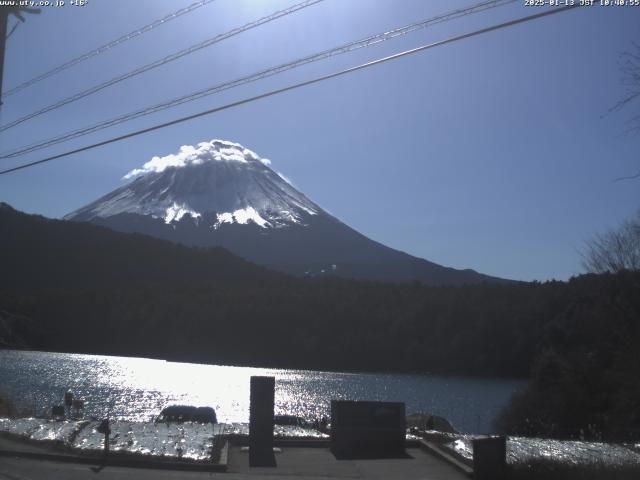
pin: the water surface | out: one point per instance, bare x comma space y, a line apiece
136, 389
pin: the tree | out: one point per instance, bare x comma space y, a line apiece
629, 63
615, 250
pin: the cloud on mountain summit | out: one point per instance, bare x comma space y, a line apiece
215, 150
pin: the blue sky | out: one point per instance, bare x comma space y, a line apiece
495, 153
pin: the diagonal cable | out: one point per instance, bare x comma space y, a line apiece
271, 93
351, 46
105, 47
162, 61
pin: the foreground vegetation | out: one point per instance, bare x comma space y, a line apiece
584, 377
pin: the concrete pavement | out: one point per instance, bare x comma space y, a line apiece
298, 463
319, 463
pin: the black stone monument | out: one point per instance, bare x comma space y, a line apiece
261, 422
490, 458
363, 429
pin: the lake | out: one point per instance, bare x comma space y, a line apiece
137, 389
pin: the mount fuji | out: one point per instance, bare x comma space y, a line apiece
219, 193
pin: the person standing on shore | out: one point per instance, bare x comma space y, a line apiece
68, 401
104, 428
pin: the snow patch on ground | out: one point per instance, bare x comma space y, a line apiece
41, 429
525, 450
188, 440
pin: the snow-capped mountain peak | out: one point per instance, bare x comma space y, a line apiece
218, 181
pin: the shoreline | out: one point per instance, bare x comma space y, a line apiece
289, 368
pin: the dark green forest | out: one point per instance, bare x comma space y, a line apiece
80, 288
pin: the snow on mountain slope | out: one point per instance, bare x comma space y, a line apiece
215, 177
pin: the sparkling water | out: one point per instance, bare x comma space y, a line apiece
136, 389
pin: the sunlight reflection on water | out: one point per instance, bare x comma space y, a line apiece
136, 389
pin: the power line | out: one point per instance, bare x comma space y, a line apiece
162, 61
107, 46
296, 86
345, 48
